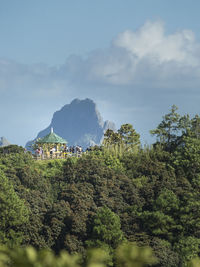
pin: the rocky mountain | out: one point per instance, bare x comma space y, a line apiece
79, 122
4, 142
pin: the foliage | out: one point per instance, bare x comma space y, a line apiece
106, 228
127, 255
194, 263
167, 130
111, 160
106, 232
11, 149
29, 257
133, 256
188, 247
13, 213
113, 193
124, 140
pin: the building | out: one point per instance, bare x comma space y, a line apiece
50, 146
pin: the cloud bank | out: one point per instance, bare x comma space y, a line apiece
141, 74
133, 58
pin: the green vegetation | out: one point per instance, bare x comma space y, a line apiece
113, 196
126, 255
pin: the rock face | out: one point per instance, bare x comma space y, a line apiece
79, 122
4, 142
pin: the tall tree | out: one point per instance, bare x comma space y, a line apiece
128, 135
173, 128
166, 132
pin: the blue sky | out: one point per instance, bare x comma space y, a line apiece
133, 58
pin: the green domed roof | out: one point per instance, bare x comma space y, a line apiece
52, 138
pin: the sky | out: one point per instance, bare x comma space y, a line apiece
135, 59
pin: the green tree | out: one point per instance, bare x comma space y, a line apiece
106, 229
14, 213
167, 130
188, 248
128, 135
186, 157
174, 128
111, 137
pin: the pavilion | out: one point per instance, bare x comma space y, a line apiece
51, 146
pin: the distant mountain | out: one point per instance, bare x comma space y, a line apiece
4, 142
79, 122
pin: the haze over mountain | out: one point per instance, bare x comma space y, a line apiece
4, 142
79, 122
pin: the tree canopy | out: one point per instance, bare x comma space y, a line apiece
117, 192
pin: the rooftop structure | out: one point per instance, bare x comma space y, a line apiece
50, 146
51, 138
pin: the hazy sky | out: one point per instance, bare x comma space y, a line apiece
135, 59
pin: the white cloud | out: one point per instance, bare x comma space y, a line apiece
151, 41
136, 57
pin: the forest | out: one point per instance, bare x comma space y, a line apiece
119, 197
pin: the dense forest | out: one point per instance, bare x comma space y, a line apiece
118, 193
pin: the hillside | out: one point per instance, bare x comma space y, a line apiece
145, 195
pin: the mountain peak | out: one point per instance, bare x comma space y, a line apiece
79, 122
